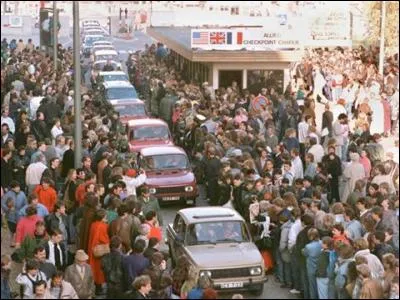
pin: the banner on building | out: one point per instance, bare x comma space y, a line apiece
257, 39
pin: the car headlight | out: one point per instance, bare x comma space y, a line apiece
188, 188
152, 190
255, 271
205, 273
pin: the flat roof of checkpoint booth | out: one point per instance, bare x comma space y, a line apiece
240, 58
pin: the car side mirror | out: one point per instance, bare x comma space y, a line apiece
179, 239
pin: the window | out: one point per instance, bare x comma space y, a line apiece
130, 110
121, 93
179, 225
217, 232
150, 132
165, 162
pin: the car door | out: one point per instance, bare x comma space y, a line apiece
176, 235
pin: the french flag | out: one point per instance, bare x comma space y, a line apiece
239, 38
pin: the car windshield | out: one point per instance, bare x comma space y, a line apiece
131, 110
115, 77
106, 57
121, 93
150, 132
100, 65
217, 233
103, 47
167, 161
89, 40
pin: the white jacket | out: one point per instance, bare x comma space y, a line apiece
294, 232
23, 280
34, 173
133, 183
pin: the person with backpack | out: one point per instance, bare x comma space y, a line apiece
28, 277
113, 270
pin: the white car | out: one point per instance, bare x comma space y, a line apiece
102, 47
99, 65
102, 43
88, 41
90, 23
113, 76
105, 55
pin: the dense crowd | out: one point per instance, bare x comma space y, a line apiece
321, 201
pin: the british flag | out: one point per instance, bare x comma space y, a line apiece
217, 38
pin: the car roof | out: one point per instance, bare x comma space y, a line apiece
145, 122
209, 213
161, 150
117, 84
93, 36
103, 41
126, 102
102, 73
103, 61
106, 52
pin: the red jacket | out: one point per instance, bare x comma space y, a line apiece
26, 226
80, 193
154, 232
46, 197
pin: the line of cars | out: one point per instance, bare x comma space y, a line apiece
216, 240
169, 174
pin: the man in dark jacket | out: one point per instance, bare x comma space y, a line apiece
167, 105
135, 263
212, 167
301, 241
113, 270
51, 111
39, 127
333, 168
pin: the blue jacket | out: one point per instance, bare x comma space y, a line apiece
134, 265
312, 251
19, 202
355, 230
41, 211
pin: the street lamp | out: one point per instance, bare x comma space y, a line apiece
77, 89
382, 39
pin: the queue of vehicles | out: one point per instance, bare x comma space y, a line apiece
216, 240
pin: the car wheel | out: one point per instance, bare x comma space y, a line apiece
258, 290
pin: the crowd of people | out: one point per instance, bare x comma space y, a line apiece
320, 201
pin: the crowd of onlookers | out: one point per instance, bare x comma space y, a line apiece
327, 196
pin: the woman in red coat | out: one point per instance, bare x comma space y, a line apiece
98, 235
387, 115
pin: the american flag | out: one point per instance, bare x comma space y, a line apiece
200, 38
217, 38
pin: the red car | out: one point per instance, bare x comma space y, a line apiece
148, 133
169, 174
129, 109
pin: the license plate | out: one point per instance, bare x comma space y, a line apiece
170, 198
231, 285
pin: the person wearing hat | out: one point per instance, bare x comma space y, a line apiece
79, 274
132, 182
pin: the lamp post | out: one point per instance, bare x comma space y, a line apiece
55, 39
77, 89
382, 39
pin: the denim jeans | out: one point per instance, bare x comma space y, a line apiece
278, 271
287, 274
304, 280
312, 285
294, 265
323, 286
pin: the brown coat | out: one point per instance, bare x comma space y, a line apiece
371, 289
83, 287
123, 228
84, 230
100, 168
